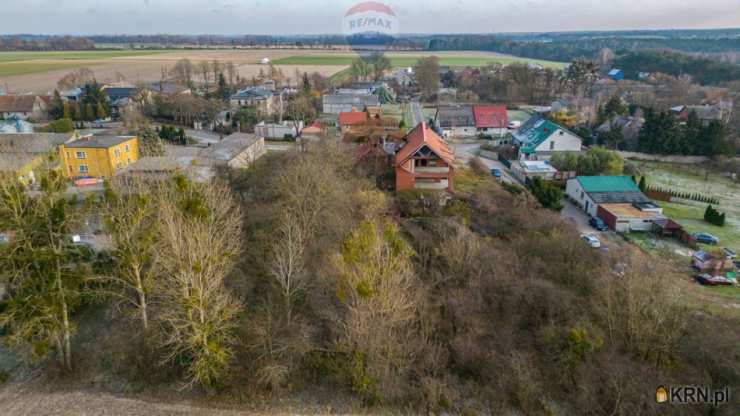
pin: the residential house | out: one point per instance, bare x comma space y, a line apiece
589, 192
278, 130
424, 161
628, 125
120, 99
343, 103
23, 154
265, 101
456, 121
168, 89
539, 138
23, 107
361, 88
348, 120
72, 95
706, 113
491, 120
98, 156
237, 151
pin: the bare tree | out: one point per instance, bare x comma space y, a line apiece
130, 217
200, 242
288, 261
183, 71
204, 69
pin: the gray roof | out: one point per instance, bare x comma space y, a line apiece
369, 100
618, 197
167, 88
229, 147
100, 142
455, 116
253, 93
12, 162
32, 143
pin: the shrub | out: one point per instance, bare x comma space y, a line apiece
714, 217
547, 193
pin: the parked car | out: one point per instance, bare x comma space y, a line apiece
591, 240
598, 224
513, 125
496, 173
707, 279
706, 238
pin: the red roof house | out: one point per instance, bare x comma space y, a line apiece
490, 117
424, 162
351, 119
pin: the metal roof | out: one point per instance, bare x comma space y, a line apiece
597, 184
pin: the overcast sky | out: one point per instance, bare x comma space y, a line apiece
324, 16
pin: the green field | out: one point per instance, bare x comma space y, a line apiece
23, 68
70, 55
410, 60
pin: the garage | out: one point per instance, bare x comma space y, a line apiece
624, 218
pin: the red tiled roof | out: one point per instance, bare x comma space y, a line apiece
352, 118
422, 135
17, 103
490, 116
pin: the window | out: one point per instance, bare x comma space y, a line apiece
81, 155
552, 145
67, 154
83, 169
117, 153
125, 148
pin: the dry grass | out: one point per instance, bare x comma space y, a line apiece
41, 75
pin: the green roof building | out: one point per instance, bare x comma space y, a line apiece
539, 138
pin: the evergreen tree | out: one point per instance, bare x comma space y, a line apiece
643, 184
56, 109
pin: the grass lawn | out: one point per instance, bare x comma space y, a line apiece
22, 68
72, 55
410, 60
690, 214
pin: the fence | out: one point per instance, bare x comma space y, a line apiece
680, 195
691, 160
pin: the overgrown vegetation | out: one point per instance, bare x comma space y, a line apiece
307, 276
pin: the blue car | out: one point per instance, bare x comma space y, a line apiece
496, 173
598, 224
706, 238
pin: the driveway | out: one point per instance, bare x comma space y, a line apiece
466, 151
579, 219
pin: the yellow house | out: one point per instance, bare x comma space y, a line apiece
99, 156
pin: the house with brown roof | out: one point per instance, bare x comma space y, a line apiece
348, 120
424, 161
491, 120
23, 107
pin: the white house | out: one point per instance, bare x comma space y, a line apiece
539, 138
588, 192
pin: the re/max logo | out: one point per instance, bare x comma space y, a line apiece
370, 22
692, 395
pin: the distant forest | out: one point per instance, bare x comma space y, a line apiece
709, 56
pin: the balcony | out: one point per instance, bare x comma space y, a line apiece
431, 169
431, 185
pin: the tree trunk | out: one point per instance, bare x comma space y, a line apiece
67, 345
142, 300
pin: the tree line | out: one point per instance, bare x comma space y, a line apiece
45, 43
